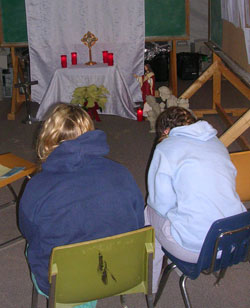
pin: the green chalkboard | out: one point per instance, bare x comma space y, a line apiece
163, 19
13, 22
215, 22
167, 18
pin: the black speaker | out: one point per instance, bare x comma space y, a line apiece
188, 65
159, 65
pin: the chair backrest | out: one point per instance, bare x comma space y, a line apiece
241, 160
101, 268
227, 243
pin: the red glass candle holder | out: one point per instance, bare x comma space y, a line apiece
110, 59
139, 115
64, 60
105, 56
73, 58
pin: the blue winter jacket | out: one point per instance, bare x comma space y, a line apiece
79, 195
191, 181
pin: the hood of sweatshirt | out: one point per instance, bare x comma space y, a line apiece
70, 155
200, 130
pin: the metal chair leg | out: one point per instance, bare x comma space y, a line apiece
149, 299
34, 301
164, 277
220, 276
122, 300
11, 189
182, 283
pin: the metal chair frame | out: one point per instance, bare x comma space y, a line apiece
211, 269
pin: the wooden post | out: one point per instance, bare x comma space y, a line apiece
173, 70
17, 98
216, 83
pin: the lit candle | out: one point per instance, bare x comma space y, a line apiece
105, 56
139, 114
110, 59
73, 58
64, 60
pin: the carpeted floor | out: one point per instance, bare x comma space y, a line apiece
130, 144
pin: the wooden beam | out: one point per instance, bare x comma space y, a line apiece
234, 111
200, 81
216, 88
223, 115
236, 130
234, 80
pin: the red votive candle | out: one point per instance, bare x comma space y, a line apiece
64, 60
73, 58
139, 114
105, 56
110, 59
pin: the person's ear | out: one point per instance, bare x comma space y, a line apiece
166, 131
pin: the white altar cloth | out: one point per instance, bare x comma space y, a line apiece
65, 80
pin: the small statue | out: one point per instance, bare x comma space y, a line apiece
162, 106
164, 93
183, 102
147, 82
152, 115
171, 101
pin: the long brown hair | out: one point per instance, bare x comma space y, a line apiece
173, 117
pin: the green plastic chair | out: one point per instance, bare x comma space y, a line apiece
92, 270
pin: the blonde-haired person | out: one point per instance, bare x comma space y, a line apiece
191, 183
79, 194
66, 122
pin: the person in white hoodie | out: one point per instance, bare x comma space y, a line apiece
191, 184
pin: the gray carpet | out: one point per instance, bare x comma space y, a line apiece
130, 144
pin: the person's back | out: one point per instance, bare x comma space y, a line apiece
203, 182
191, 184
79, 195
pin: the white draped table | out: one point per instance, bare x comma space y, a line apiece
65, 80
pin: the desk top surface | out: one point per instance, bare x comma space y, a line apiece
10, 160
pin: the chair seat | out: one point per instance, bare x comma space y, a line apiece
188, 269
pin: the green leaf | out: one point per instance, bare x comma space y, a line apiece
90, 94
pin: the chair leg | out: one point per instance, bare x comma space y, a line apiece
182, 283
220, 276
163, 281
149, 299
122, 300
34, 300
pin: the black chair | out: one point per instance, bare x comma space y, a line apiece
227, 243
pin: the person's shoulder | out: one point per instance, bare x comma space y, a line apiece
117, 166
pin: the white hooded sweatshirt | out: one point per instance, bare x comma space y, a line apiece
191, 182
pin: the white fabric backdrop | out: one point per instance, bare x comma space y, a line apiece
56, 27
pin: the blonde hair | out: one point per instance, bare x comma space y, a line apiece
66, 122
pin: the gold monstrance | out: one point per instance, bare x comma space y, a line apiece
89, 39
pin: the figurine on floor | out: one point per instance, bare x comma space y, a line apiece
147, 82
164, 93
153, 113
171, 100
183, 102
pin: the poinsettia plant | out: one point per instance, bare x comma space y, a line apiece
90, 96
